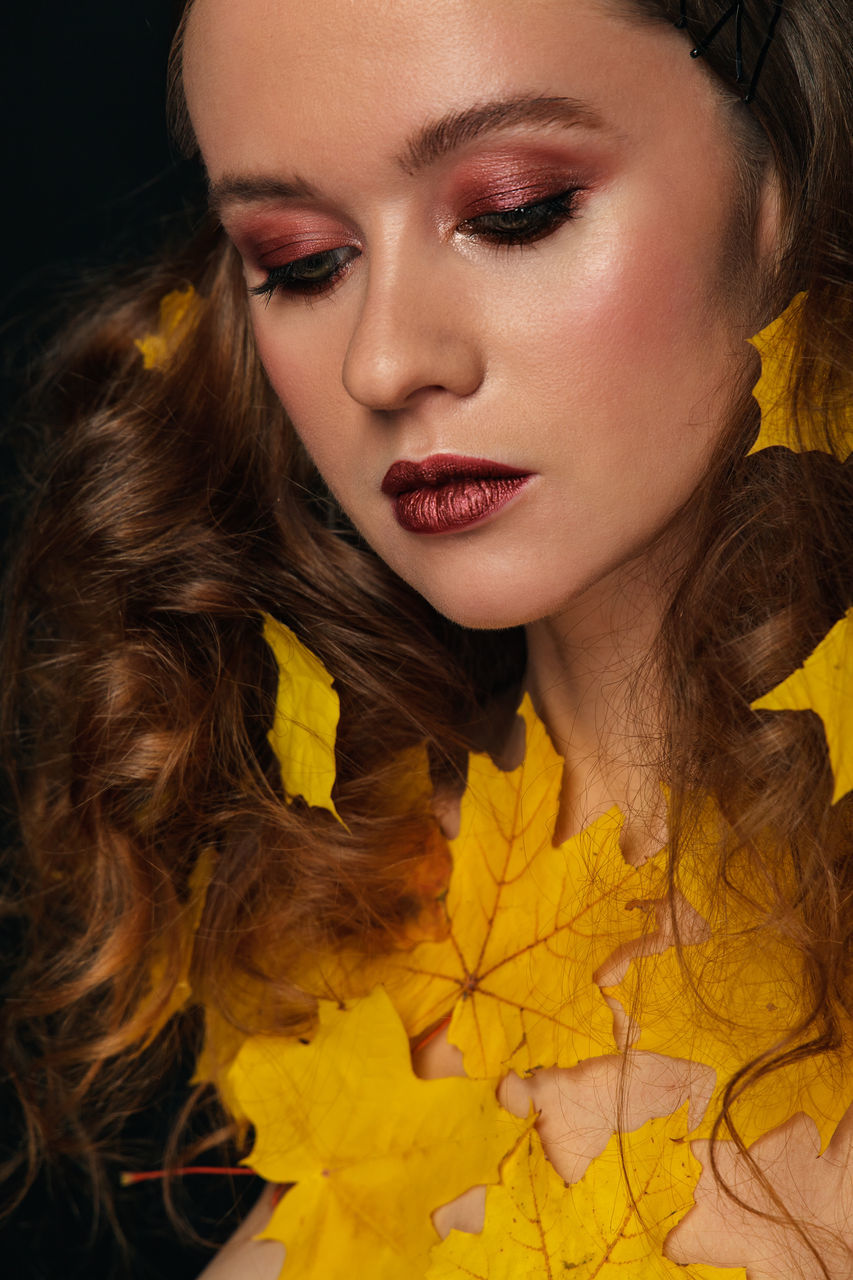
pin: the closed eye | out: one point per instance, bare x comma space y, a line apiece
525, 223
314, 274
318, 273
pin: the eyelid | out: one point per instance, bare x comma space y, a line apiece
544, 217
520, 195
296, 248
543, 206
273, 236
281, 278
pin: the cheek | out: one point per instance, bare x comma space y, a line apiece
634, 342
306, 377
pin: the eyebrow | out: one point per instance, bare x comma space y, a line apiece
234, 189
429, 144
439, 138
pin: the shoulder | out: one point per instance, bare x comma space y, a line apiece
245, 1258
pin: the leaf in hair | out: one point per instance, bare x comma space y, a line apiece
603, 1226
527, 924
305, 722
372, 1150
824, 685
776, 344
178, 309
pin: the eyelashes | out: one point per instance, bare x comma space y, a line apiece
313, 274
524, 224
318, 273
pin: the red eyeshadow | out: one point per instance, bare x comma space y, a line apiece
507, 179
277, 240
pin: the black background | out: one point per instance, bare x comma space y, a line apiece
89, 179
89, 182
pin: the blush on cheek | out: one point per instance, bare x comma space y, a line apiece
649, 316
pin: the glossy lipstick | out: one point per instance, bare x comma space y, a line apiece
446, 492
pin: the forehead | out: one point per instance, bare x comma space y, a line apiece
281, 79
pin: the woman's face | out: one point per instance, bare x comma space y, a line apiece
490, 230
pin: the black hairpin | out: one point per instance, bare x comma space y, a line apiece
736, 11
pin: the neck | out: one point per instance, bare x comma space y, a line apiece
592, 682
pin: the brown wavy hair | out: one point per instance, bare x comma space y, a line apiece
177, 504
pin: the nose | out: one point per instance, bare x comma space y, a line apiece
415, 332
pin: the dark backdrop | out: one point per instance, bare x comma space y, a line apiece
88, 177
89, 181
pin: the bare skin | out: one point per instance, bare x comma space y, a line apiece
245, 1257
598, 356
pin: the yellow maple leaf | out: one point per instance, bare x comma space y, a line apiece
734, 994
603, 1227
527, 925
752, 989
824, 685
406, 789
305, 722
373, 1150
776, 344
177, 311
750, 979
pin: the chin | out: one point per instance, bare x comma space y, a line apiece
494, 588
482, 611
509, 595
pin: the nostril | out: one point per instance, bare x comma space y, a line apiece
398, 352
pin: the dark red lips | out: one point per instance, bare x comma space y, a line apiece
446, 492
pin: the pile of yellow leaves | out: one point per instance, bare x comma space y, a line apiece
371, 1151
374, 1151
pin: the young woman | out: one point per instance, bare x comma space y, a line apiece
430, 665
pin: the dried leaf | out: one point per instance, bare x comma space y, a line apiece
603, 1226
305, 723
373, 1150
753, 991
177, 311
733, 994
527, 925
824, 685
776, 345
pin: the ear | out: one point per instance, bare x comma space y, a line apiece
768, 223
